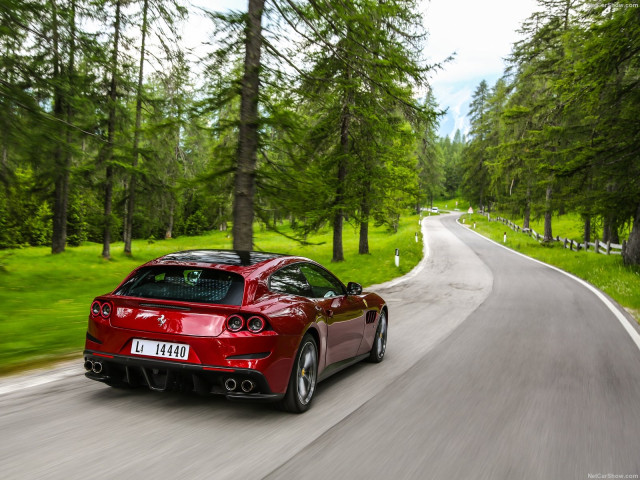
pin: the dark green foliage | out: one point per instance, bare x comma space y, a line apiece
101, 139
196, 224
77, 226
25, 219
475, 183
560, 132
453, 167
358, 156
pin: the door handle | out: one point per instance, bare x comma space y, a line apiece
329, 313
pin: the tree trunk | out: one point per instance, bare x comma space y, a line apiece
527, 210
365, 210
169, 232
548, 210
363, 247
62, 160
587, 228
338, 252
60, 208
131, 200
244, 188
631, 254
338, 216
610, 229
5, 158
614, 236
108, 148
108, 201
70, 113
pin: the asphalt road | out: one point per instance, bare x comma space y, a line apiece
497, 367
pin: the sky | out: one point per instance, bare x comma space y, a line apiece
480, 33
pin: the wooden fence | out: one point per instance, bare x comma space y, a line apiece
607, 248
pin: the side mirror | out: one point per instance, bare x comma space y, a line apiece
354, 288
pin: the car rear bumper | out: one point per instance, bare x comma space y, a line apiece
124, 370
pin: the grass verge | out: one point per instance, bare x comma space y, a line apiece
45, 298
606, 272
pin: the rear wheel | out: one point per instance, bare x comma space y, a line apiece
304, 375
380, 341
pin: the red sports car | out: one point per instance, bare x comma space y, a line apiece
242, 324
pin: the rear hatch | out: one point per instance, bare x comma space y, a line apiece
177, 299
166, 317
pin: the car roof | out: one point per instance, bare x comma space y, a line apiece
255, 267
235, 258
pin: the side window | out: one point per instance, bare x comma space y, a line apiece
323, 284
289, 280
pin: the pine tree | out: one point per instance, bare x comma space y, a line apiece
476, 180
106, 153
368, 55
152, 12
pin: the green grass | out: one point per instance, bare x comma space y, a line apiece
45, 299
566, 226
606, 272
569, 225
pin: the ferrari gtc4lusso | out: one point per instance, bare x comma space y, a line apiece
246, 325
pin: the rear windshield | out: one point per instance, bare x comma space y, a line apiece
185, 284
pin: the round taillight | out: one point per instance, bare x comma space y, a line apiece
235, 323
95, 308
106, 310
255, 324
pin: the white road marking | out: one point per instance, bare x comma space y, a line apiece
624, 321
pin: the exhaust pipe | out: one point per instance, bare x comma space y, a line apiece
230, 384
247, 386
88, 365
97, 367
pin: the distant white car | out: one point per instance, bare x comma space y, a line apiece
434, 209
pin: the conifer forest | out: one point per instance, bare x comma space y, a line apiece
316, 113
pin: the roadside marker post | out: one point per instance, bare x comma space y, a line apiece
398, 257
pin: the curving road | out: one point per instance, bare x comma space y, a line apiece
497, 367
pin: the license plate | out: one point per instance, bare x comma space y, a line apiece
152, 348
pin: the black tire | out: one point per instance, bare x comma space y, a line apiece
380, 341
303, 378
